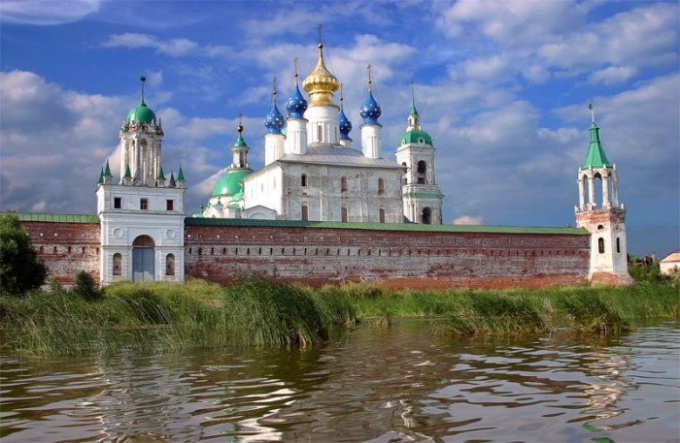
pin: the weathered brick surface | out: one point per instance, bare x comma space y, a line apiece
66, 248
414, 259
318, 256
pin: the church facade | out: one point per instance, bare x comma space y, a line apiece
321, 210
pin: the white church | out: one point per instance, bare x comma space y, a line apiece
313, 172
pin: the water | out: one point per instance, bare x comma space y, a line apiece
402, 383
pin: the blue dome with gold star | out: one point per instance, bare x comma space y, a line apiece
345, 125
296, 105
370, 110
274, 120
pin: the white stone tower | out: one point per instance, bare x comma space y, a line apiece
142, 217
600, 212
421, 196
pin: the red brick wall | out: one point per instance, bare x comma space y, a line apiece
66, 248
317, 256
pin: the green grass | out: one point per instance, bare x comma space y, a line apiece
168, 316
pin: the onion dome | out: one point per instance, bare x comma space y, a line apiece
370, 110
320, 84
274, 120
141, 114
296, 104
345, 124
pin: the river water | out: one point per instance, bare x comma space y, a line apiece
399, 383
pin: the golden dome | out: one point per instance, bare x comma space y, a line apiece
320, 84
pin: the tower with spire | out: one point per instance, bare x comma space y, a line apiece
600, 212
142, 215
422, 197
226, 200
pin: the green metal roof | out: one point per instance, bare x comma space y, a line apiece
596, 157
405, 227
230, 183
56, 218
141, 114
416, 136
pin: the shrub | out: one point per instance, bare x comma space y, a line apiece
20, 269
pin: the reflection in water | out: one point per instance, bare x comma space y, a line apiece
402, 383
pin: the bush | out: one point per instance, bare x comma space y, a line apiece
20, 269
86, 287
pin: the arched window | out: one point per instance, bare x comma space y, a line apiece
404, 168
303, 180
117, 264
305, 212
422, 172
600, 245
343, 212
381, 214
427, 216
343, 184
381, 186
170, 264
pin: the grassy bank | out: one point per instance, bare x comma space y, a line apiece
261, 312
471, 312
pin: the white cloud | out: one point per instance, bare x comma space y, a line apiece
613, 75
46, 12
469, 220
174, 47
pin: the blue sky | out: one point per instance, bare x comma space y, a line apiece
502, 86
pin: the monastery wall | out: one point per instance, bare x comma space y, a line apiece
66, 248
416, 259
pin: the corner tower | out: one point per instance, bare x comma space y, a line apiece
142, 217
602, 215
421, 196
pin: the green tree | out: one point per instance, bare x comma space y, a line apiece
20, 269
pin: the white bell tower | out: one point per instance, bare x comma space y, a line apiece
142, 217
421, 196
600, 212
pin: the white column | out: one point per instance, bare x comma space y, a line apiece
605, 192
273, 147
296, 136
370, 140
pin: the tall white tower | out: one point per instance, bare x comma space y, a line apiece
600, 212
421, 196
142, 217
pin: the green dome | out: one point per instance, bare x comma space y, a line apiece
229, 184
416, 136
141, 114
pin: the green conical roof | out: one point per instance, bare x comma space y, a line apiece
107, 171
180, 174
128, 174
596, 156
161, 174
101, 176
240, 142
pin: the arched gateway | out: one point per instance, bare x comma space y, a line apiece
143, 259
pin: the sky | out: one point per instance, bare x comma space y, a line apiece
503, 88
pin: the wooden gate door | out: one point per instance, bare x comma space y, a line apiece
143, 263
